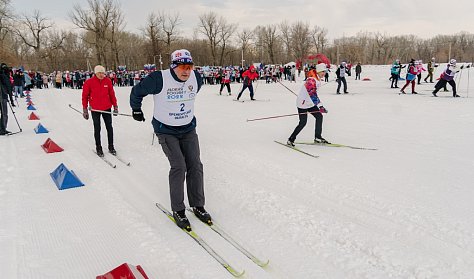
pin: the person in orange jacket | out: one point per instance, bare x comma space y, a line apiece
99, 94
248, 76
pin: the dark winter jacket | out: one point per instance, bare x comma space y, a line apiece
5, 85
18, 79
153, 84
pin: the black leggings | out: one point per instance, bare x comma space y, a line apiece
442, 83
226, 85
304, 119
108, 126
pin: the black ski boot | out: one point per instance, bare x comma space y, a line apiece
181, 220
99, 151
321, 140
290, 143
112, 150
202, 215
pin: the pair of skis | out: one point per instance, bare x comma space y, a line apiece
212, 252
112, 165
321, 144
255, 100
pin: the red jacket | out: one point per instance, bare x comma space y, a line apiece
98, 93
249, 75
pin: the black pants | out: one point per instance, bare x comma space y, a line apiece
183, 155
442, 83
226, 85
357, 76
318, 128
394, 80
108, 126
3, 114
250, 87
343, 80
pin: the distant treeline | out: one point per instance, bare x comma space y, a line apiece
33, 41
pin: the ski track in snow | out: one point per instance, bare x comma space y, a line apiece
402, 211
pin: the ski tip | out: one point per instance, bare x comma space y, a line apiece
263, 264
128, 164
234, 272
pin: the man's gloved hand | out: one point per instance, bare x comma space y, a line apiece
323, 109
138, 115
115, 112
85, 114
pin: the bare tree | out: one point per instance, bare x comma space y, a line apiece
96, 19
301, 39
267, 41
225, 31
285, 30
152, 33
245, 36
319, 38
5, 20
209, 25
169, 27
32, 28
116, 26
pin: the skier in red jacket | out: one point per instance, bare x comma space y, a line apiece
98, 92
248, 76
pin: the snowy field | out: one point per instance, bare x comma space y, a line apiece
405, 210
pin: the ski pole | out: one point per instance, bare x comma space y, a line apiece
14, 116
109, 112
75, 109
287, 88
297, 94
460, 76
278, 116
468, 71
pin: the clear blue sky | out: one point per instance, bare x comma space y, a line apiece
342, 17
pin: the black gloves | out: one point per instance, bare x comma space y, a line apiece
138, 115
85, 114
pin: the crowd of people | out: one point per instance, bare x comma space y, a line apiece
15, 81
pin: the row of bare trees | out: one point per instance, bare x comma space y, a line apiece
33, 40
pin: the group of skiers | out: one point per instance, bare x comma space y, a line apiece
174, 91
414, 74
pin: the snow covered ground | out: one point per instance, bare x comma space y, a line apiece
403, 211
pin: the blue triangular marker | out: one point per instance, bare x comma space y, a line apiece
64, 178
40, 129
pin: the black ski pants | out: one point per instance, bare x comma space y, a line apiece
442, 83
302, 113
3, 114
226, 85
108, 126
250, 87
339, 81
